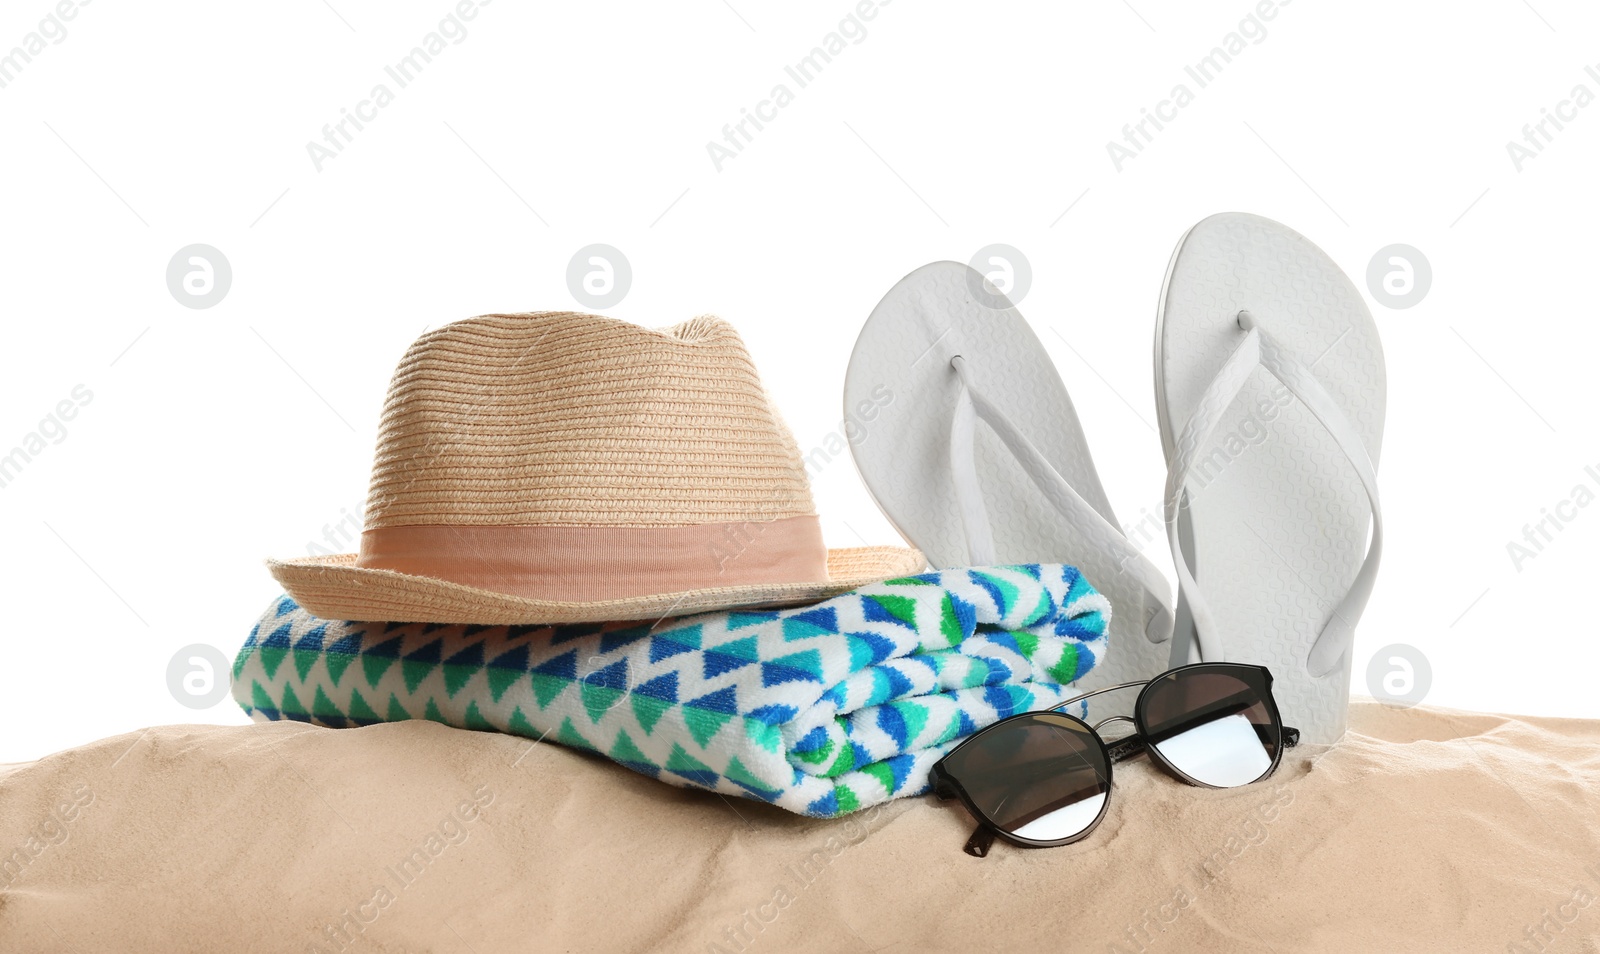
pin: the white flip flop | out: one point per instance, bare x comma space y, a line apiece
942, 351
1270, 392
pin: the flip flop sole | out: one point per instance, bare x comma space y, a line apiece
902, 362
1278, 517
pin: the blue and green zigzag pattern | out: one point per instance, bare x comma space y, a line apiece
822, 710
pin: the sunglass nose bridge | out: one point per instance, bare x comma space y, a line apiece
1127, 746
1117, 718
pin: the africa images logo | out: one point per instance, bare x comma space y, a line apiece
451, 31
851, 31
52, 430
1251, 31
1552, 122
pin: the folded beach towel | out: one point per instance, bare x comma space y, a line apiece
822, 709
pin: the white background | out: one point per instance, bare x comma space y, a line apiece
217, 437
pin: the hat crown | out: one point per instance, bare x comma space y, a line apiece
568, 419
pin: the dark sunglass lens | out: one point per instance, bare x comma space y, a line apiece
1043, 778
1213, 725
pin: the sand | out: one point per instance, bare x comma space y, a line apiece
1425, 830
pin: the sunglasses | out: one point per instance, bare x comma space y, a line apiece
1043, 779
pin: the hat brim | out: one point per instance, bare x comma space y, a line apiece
333, 587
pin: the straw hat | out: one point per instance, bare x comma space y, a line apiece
559, 467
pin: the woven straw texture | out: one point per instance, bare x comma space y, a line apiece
334, 588
560, 419
566, 419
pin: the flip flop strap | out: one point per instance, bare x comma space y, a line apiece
972, 405
1259, 349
